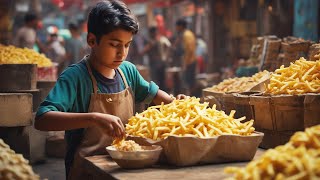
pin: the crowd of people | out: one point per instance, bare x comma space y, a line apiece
157, 51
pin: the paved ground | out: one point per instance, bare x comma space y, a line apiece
52, 169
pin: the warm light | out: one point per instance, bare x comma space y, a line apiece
270, 8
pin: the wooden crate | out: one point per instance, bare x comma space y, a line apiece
278, 113
242, 105
56, 145
26, 141
274, 138
15, 109
36, 97
311, 110
18, 77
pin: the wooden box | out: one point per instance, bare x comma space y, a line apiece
15, 109
273, 138
18, 77
311, 110
279, 113
26, 141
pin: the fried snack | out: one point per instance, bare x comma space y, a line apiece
298, 159
300, 77
122, 145
14, 55
242, 84
186, 117
14, 166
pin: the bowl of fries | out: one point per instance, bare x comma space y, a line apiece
130, 155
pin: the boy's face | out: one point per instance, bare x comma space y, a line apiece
112, 49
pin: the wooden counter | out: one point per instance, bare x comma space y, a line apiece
102, 167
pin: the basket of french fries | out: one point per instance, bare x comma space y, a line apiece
192, 133
297, 159
222, 92
282, 106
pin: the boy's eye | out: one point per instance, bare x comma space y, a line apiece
127, 45
114, 45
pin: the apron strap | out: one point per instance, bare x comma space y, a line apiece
93, 79
123, 78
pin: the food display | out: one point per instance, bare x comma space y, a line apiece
14, 166
300, 77
14, 55
122, 145
298, 159
242, 84
186, 117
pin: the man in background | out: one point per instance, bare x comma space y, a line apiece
26, 35
75, 48
187, 40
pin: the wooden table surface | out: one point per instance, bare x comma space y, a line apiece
103, 167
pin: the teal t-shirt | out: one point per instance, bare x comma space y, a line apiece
73, 89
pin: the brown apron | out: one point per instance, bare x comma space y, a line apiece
94, 141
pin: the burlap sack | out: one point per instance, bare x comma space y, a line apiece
187, 151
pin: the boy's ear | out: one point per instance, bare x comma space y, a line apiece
91, 39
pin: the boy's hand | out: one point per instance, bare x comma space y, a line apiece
109, 124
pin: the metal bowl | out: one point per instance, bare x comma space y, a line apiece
136, 159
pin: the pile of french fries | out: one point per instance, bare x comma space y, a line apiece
14, 55
186, 117
241, 84
300, 77
298, 159
129, 145
14, 166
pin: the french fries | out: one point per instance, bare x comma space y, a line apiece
242, 84
122, 145
14, 166
14, 55
300, 77
298, 159
186, 117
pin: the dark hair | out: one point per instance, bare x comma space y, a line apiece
73, 26
182, 22
30, 17
110, 15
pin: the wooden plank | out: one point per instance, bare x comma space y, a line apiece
15, 109
102, 167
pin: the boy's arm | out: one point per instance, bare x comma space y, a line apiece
59, 121
162, 96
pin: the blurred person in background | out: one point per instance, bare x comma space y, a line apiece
201, 53
75, 48
27, 35
55, 47
187, 42
157, 49
136, 49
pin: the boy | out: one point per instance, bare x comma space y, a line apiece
94, 98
